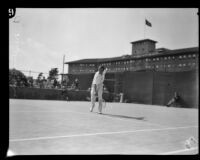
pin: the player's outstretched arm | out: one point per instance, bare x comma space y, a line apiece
104, 72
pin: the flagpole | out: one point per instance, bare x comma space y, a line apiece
144, 27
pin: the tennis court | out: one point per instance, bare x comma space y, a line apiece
47, 127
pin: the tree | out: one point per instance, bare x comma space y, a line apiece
53, 74
16, 76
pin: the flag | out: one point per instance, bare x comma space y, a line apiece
148, 23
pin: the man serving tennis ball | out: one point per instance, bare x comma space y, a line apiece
97, 87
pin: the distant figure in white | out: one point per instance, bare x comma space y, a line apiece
97, 88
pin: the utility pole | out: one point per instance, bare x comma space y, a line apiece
63, 68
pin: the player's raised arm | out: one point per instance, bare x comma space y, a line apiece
104, 73
105, 70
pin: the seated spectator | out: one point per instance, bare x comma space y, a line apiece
174, 100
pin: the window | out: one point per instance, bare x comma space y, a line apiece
193, 55
165, 58
157, 66
193, 64
180, 57
184, 64
157, 59
173, 57
189, 55
184, 56
169, 65
169, 57
180, 65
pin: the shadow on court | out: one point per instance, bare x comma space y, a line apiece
122, 116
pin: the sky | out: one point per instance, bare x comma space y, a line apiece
39, 38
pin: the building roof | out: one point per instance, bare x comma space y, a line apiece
99, 60
159, 52
144, 40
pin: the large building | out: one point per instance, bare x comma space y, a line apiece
144, 56
149, 75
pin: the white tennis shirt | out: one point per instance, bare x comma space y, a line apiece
99, 78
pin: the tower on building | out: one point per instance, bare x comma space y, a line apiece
143, 47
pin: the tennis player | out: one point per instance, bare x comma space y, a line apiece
97, 88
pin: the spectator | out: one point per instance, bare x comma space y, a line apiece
73, 86
43, 82
174, 100
76, 83
31, 82
48, 83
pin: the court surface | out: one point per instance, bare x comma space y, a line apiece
47, 127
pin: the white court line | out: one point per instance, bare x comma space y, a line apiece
179, 151
104, 116
94, 134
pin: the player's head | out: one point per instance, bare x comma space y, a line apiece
101, 69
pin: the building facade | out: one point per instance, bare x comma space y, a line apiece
144, 56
